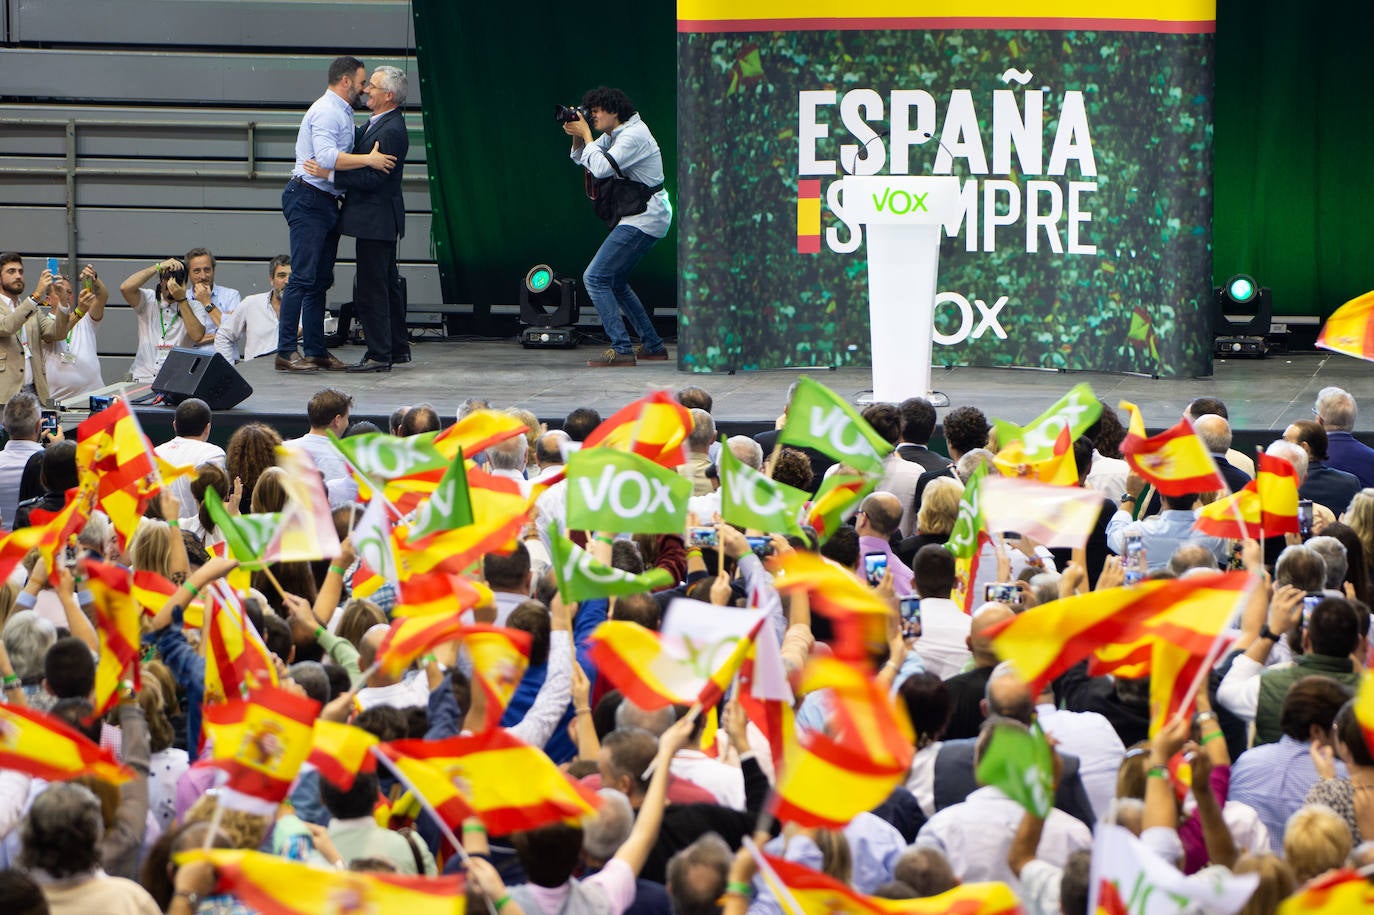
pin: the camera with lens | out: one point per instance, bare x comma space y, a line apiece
179, 275
565, 115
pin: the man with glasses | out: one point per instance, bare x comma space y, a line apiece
311, 207
374, 213
1335, 410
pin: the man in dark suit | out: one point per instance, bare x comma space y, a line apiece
918, 425
1323, 484
374, 214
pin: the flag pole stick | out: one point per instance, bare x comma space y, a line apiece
783, 894
444, 829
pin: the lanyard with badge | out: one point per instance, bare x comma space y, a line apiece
164, 346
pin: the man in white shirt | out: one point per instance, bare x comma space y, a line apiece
252, 326
72, 362
328, 412
167, 316
551, 507
411, 690
190, 448
943, 644
22, 419
724, 781
976, 835
507, 459
1090, 737
218, 302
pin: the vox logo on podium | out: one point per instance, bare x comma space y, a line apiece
986, 318
899, 202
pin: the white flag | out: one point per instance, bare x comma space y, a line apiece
1049, 515
1128, 877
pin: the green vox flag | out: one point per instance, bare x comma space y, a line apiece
448, 507
380, 456
1077, 409
1021, 764
581, 577
615, 491
840, 494
752, 500
247, 536
818, 418
965, 538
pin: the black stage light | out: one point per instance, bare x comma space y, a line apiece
1242, 317
548, 308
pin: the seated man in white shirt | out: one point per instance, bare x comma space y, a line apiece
218, 302
251, 328
167, 316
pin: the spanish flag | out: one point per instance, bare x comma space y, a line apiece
862, 713
1059, 469
1334, 893
433, 593
1266, 507
112, 451
828, 779
799, 890
262, 741
151, 590
859, 614
656, 669
1350, 329
499, 511
840, 494
46, 747
116, 619
509, 785
1175, 461
1364, 707
478, 431
499, 658
1047, 640
341, 752
653, 427
236, 659
413, 636
273, 885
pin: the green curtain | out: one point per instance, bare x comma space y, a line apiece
504, 192
1294, 132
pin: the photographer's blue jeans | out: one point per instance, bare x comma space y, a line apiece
607, 282
313, 220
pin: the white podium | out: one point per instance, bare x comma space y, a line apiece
903, 217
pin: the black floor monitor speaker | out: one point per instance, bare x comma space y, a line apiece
195, 373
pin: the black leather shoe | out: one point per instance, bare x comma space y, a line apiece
369, 365
296, 365
400, 360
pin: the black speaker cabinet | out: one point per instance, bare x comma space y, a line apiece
209, 376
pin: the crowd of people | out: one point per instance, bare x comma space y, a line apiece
1277, 766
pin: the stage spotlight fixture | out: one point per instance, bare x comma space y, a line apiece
1242, 317
548, 308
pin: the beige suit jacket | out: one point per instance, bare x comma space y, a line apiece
39, 325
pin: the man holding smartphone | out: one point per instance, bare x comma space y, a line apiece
73, 362
878, 517
23, 325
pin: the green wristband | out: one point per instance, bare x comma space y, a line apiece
337, 570
1158, 772
501, 903
739, 888
195, 592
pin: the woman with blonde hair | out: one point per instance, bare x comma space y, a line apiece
935, 520
1360, 517
1276, 882
269, 495
1315, 840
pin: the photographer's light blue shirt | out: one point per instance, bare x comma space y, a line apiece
325, 131
636, 152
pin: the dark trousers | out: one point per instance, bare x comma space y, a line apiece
312, 218
377, 303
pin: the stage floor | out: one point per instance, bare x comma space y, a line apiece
1262, 395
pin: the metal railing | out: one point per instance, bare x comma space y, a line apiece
71, 170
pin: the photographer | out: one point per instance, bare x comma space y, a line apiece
167, 317
628, 168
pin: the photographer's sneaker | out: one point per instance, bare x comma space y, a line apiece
644, 355
612, 359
